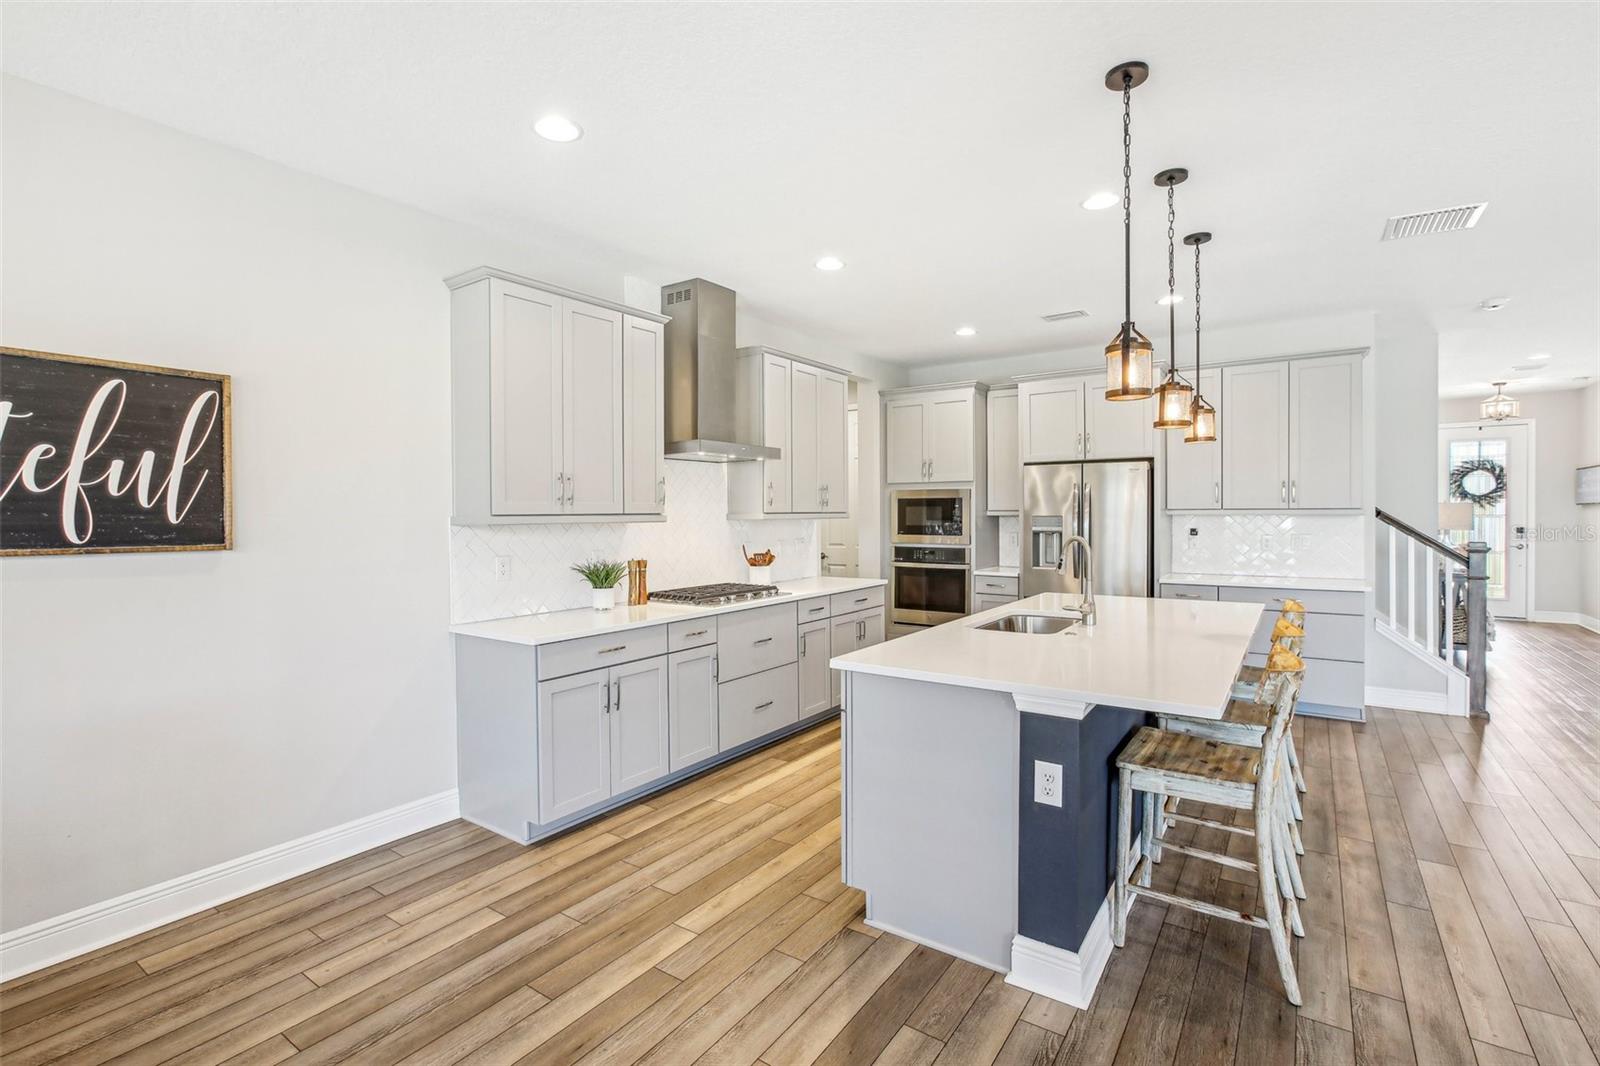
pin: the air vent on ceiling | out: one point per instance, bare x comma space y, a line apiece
1444, 220
1062, 316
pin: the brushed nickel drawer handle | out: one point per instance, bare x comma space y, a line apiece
608, 651
763, 640
864, 599
814, 610
696, 633
762, 706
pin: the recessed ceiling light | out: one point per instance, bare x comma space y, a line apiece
1539, 357
1493, 303
830, 262
965, 331
1172, 298
558, 128
1101, 200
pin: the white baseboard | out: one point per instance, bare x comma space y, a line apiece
1589, 622
1407, 699
1560, 618
66, 935
1065, 976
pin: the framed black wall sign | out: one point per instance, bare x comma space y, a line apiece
102, 456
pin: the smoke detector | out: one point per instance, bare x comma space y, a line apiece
1062, 316
1444, 220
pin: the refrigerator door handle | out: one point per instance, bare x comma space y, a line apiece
1088, 522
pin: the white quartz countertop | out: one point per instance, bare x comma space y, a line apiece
1258, 581
996, 571
1173, 656
552, 626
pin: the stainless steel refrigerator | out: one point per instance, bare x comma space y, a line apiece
1109, 505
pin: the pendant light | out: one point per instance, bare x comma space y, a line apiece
1500, 406
1128, 354
1175, 394
1202, 416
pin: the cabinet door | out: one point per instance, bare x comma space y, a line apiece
833, 441
950, 444
1118, 429
692, 706
644, 466
1051, 414
574, 743
775, 432
525, 400
871, 628
844, 637
1005, 464
816, 687
1325, 432
805, 480
1194, 471
1255, 446
638, 724
592, 413
905, 433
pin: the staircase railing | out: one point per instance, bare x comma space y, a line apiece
1442, 576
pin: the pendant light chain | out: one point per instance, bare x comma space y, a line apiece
1196, 316
1127, 204
1172, 282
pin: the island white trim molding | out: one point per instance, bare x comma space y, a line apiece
1065, 976
1053, 706
54, 940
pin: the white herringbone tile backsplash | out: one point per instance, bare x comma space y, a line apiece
695, 545
1272, 545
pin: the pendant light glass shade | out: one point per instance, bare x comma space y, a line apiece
1172, 402
1202, 422
1500, 407
1128, 373
1174, 395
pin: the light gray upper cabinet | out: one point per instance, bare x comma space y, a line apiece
556, 403
1004, 463
1255, 447
816, 688
933, 434
1194, 471
638, 724
644, 465
574, 743
799, 408
1325, 432
1119, 429
1050, 415
692, 700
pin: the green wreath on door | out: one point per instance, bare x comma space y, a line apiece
1479, 481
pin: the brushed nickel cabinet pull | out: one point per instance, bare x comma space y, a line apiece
696, 633
763, 640
762, 706
608, 651
818, 607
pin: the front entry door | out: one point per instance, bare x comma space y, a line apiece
1501, 522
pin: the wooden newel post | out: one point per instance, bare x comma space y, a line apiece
1478, 624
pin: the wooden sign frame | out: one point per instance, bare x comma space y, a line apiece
225, 413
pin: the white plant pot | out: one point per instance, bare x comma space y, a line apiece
760, 575
604, 599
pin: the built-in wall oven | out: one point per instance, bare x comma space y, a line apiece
930, 516
930, 585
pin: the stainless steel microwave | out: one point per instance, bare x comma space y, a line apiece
930, 516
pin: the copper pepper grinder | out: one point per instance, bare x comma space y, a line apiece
638, 585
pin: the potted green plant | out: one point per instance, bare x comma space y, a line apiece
603, 578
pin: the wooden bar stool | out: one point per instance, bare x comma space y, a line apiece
1165, 765
1288, 632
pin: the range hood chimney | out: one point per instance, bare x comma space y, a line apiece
702, 375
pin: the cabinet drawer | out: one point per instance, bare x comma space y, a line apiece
754, 706
749, 642
986, 601
815, 609
1328, 636
995, 586
859, 600
1315, 600
1188, 592
1338, 684
607, 649
691, 633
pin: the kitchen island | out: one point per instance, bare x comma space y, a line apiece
979, 784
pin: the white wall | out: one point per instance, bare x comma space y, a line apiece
1558, 446
160, 713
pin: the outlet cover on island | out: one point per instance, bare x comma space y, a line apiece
1047, 783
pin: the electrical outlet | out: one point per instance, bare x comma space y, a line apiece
1047, 783
502, 567
1194, 531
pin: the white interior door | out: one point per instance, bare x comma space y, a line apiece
1502, 523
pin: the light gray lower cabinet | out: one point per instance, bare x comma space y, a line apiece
816, 688
849, 633
638, 716
756, 705
574, 743
692, 703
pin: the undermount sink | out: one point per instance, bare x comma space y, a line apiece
1029, 623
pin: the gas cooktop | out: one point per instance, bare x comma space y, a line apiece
716, 595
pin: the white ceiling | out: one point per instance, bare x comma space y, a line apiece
940, 149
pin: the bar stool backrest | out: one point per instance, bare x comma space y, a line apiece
1281, 664
1273, 745
1294, 611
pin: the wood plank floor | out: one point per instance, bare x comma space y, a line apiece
1453, 868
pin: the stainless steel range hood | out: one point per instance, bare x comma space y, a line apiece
702, 376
